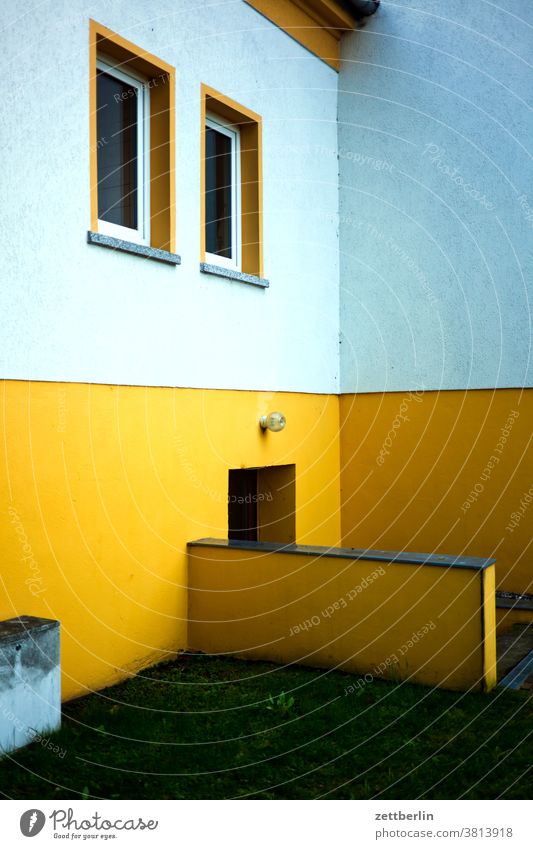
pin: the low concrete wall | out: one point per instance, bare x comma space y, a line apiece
30, 681
419, 617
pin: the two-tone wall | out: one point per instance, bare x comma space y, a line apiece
110, 464
103, 486
436, 235
131, 387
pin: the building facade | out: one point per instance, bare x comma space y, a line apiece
216, 211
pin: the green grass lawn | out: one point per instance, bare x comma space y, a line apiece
202, 728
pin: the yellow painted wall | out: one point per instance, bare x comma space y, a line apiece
434, 490
297, 608
505, 618
103, 486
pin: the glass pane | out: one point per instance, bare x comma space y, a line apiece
218, 191
117, 151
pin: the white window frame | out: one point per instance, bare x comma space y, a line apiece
140, 235
214, 122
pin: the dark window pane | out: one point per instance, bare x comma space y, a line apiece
117, 151
218, 192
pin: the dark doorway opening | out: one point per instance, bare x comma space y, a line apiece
262, 504
242, 505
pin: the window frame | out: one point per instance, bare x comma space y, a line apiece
141, 234
160, 79
215, 122
250, 189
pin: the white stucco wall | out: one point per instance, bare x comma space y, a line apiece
74, 312
436, 280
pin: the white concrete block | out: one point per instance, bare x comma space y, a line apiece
30, 680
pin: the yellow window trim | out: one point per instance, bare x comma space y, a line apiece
250, 130
162, 129
316, 24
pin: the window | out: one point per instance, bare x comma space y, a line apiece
222, 224
231, 185
123, 133
131, 143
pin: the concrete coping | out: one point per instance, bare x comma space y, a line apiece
414, 558
12, 630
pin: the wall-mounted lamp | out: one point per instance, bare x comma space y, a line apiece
274, 422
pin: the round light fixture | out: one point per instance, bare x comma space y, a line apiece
274, 422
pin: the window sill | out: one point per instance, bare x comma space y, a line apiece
132, 248
240, 276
